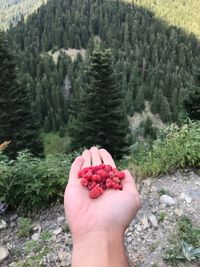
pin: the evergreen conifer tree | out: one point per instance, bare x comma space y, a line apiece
192, 103
16, 121
102, 119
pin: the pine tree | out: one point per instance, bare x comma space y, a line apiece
139, 101
16, 121
165, 112
102, 118
192, 102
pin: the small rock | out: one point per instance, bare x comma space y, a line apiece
37, 228
62, 255
35, 236
57, 231
65, 258
52, 225
163, 206
145, 222
153, 220
3, 254
12, 224
63, 264
68, 240
169, 201
186, 198
178, 212
3, 224
129, 239
139, 228
13, 217
131, 228
61, 219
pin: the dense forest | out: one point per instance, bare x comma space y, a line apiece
152, 60
11, 11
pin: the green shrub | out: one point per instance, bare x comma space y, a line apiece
33, 182
179, 148
185, 244
24, 227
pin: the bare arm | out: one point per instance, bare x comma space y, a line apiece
98, 225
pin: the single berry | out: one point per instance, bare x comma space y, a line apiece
91, 185
120, 175
84, 182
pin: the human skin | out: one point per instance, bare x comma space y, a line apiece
98, 225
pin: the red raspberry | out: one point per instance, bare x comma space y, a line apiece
111, 174
84, 182
120, 186
115, 186
109, 183
96, 178
120, 175
80, 174
116, 179
91, 185
102, 166
108, 168
96, 192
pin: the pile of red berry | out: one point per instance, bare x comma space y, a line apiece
98, 178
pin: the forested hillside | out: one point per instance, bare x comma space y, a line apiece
11, 11
152, 60
182, 13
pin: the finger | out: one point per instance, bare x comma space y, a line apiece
129, 185
96, 158
106, 157
87, 158
75, 168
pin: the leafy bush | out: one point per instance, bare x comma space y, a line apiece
33, 182
185, 244
24, 227
178, 147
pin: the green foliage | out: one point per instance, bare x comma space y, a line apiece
12, 11
18, 124
161, 216
101, 119
40, 249
54, 143
147, 130
24, 227
179, 148
46, 235
192, 102
185, 245
163, 191
33, 182
152, 60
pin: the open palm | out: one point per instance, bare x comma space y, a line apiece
113, 210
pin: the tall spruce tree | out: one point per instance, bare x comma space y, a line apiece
192, 102
17, 124
101, 119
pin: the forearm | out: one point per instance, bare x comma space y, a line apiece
100, 249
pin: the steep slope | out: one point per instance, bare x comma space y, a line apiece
153, 60
11, 11
181, 13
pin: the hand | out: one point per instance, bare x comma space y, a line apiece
112, 211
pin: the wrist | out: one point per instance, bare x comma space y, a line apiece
100, 248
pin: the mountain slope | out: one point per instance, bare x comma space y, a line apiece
181, 13
153, 60
12, 10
